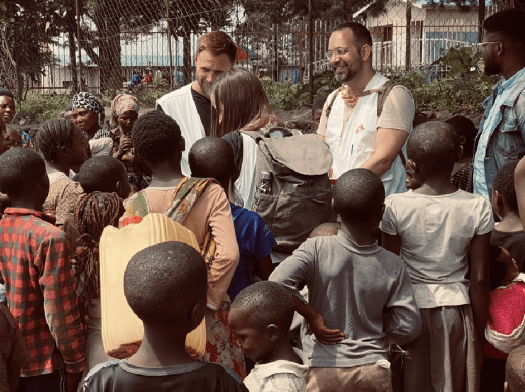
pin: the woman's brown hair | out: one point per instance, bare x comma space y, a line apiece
242, 103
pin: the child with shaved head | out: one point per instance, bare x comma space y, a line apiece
433, 229
261, 316
165, 286
351, 280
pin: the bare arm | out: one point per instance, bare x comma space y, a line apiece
316, 323
391, 243
479, 284
386, 149
264, 267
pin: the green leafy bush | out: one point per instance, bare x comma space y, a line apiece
37, 108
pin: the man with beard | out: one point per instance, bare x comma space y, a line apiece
501, 135
190, 106
357, 137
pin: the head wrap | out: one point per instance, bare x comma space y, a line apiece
124, 102
87, 101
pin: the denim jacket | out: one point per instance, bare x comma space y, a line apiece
501, 135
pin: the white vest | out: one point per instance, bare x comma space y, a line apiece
358, 142
180, 106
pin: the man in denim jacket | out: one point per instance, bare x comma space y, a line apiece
501, 135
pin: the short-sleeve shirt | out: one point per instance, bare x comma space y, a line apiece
435, 233
514, 242
255, 242
195, 376
13, 352
63, 197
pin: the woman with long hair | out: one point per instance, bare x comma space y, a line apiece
239, 103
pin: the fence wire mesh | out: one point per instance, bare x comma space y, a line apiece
63, 46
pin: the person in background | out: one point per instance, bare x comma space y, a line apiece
16, 137
317, 111
501, 135
462, 172
148, 78
89, 115
135, 80
63, 146
7, 106
443, 236
509, 232
231, 113
261, 316
190, 105
35, 264
125, 111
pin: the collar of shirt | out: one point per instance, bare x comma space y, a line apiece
519, 278
511, 87
278, 367
25, 211
353, 247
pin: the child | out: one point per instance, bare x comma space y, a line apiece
165, 285
36, 267
261, 316
317, 111
104, 174
432, 228
212, 157
95, 211
350, 280
201, 206
63, 146
505, 328
410, 181
509, 232
461, 176
13, 353
16, 137
515, 371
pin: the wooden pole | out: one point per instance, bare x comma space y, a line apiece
301, 72
82, 87
169, 43
310, 53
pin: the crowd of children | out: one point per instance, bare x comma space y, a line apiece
436, 304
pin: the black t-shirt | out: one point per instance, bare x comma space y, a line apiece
196, 376
203, 105
514, 242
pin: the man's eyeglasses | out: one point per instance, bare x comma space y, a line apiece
481, 45
338, 52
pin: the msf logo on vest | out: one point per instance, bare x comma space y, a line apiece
360, 128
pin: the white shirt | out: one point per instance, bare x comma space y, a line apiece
180, 106
279, 376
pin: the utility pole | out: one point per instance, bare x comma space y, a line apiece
169, 41
82, 87
310, 52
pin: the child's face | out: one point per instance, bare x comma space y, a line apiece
317, 117
255, 343
15, 137
410, 181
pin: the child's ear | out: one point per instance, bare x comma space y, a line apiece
273, 332
196, 315
459, 153
182, 144
498, 199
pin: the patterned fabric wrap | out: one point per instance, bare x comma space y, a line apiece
184, 198
88, 101
124, 102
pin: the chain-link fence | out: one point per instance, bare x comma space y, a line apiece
101, 45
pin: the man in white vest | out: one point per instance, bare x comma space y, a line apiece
357, 137
190, 105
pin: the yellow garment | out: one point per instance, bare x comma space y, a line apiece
120, 326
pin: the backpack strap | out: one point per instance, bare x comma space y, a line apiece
329, 107
382, 93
